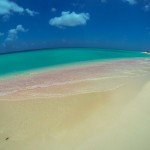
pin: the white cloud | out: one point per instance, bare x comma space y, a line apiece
70, 19
8, 7
31, 12
1, 34
147, 7
53, 10
13, 33
132, 2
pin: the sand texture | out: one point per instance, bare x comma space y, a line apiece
98, 106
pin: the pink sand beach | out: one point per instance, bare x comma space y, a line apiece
94, 106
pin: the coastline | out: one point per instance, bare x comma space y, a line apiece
17, 62
78, 77
65, 67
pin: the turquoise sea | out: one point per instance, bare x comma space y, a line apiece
24, 61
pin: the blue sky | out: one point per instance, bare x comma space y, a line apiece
30, 24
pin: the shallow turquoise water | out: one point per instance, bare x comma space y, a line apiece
23, 61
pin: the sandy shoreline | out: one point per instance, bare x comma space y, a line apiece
103, 106
86, 77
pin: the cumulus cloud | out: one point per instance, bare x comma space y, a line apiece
8, 7
13, 33
132, 2
31, 12
70, 19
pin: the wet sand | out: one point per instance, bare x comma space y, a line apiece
97, 106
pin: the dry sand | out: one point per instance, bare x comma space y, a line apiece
102, 106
